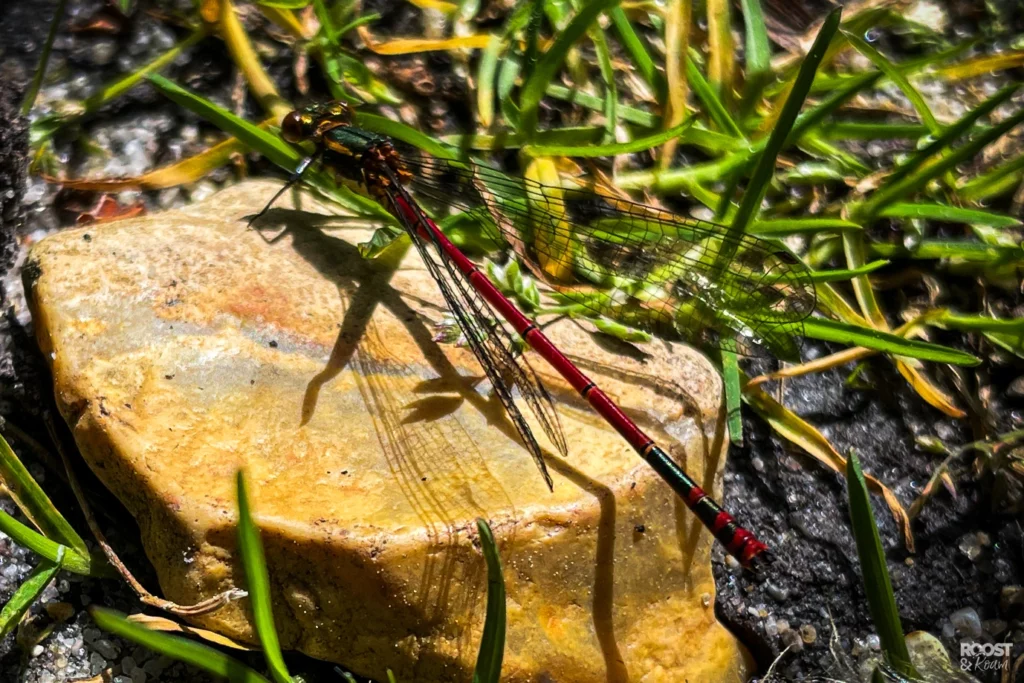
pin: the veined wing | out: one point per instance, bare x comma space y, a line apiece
492, 344
643, 266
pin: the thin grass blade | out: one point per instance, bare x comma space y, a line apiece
877, 585
198, 655
637, 49
613, 149
30, 589
68, 558
34, 503
492, 642
733, 391
257, 582
44, 59
854, 335
552, 60
758, 186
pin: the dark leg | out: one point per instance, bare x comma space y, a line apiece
296, 176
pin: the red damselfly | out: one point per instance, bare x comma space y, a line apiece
599, 252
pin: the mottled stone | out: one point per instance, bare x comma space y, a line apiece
184, 346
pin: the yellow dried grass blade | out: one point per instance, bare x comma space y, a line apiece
677, 45
406, 46
934, 396
979, 66
438, 5
245, 58
168, 626
793, 428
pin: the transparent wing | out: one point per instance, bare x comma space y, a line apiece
492, 344
643, 266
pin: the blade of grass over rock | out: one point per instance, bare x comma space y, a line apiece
875, 573
69, 558
893, 73
733, 391
30, 589
34, 503
198, 655
891, 192
949, 214
846, 274
853, 335
947, 137
637, 49
552, 60
269, 145
257, 582
758, 185
44, 59
793, 428
492, 642
613, 149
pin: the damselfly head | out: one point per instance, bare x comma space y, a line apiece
313, 121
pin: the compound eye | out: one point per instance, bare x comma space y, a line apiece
291, 127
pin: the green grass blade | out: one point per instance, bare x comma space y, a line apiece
949, 214
34, 503
611, 96
44, 59
758, 52
830, 104
637, 50
198, 655
269, 145
613, 149
758, 186
973, 252
551, 61
870, 130
870, 338
781, 227
257, 582
68, 558
1001, 179
400, 131
950, 135
889, 193
576, 96
486, 72
877, 586
15, 608
897, 77
733, 390
978, 323
123, 85
492, 642
716, 110
846, 274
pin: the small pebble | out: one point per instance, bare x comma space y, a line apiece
966, 622
970, 546
808, 634
780, 594
873, 642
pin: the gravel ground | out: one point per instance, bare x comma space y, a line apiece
962, 584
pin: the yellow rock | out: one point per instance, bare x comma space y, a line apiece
184, 346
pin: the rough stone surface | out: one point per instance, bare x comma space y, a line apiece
184, 346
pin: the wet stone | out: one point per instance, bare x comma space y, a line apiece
371, 449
